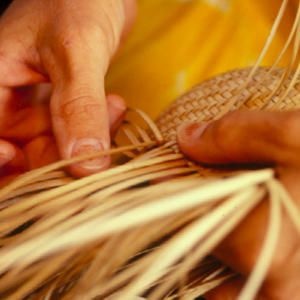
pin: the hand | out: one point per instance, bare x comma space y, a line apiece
69, 44
263, 138
27, 139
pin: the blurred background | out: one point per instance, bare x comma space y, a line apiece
175, 44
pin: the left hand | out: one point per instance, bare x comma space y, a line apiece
247, 137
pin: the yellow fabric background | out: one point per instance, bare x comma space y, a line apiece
177, 43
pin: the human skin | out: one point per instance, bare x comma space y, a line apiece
240, 137
27, 141
69, 44
257, 137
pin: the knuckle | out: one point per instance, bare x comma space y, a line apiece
84, 106
90, 34
74, 36
71, 49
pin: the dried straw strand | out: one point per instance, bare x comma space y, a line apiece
145, 226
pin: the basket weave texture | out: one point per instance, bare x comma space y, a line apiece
208, 100
142, 228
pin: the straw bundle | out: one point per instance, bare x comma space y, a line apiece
145, 227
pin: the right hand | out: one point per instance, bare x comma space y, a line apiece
27, 141
69, 44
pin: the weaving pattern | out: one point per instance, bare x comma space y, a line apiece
146, 227
148, 224
208, 100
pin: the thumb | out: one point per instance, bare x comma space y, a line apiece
244, 137
81, 124
79, 106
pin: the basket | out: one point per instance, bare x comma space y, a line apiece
146, 228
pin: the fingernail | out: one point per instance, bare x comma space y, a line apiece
89, 146
190, 132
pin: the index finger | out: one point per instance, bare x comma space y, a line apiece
244, 137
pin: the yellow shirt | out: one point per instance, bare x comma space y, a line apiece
177, 43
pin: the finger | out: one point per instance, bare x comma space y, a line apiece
7, 179
80, 118
76, 61
244, 137
25, 124
7, 152
242, 247
78, 105
41, 151
15, 73
116, 111
17, 57
18, 120
229, 290
11, 159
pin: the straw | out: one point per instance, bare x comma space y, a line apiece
147, 226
